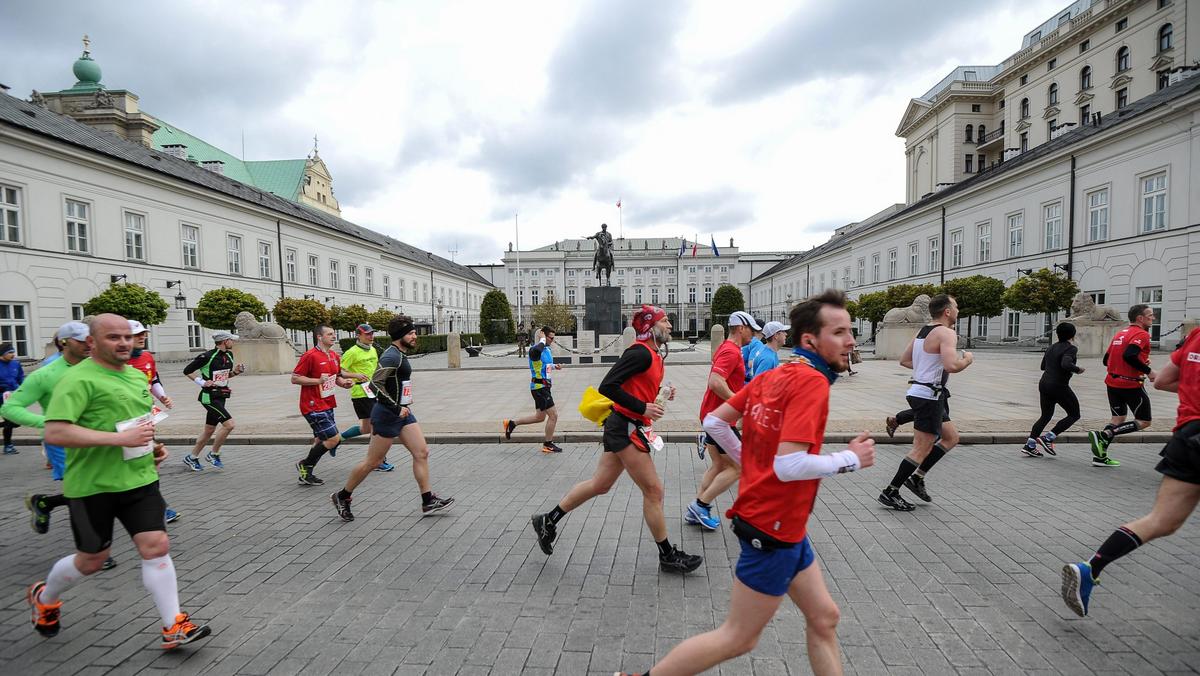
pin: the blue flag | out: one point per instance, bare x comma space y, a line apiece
682, 245
712, 239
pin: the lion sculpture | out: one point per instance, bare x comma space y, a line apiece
917, 313
1083, 308
249, 328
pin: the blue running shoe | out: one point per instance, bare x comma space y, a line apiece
215, 459
1077, 586
700, 447
192, 463
171, 515
704, 516
688, 517
385, 466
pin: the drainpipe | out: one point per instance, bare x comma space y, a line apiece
942, 251
1071, 224
279, 246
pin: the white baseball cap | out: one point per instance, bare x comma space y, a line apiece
772, 328
740, 318
135, 327
73, 330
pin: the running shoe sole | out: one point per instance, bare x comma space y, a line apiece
425, 509
1105, 462
1048, 447
201, 632
890, 425
897, 503
1031, 452
695, 513
34, 591
1071, 582
39, 527
333, 497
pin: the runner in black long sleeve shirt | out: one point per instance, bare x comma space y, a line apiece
1054, 389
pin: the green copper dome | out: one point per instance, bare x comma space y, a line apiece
87, 71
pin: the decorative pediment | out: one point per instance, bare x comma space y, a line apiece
1120, 80
1163, 62
1051, 112
1022, 126
1084, 97
916, 108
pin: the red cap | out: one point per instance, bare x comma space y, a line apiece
645, 319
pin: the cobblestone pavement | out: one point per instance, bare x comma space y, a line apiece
968, 584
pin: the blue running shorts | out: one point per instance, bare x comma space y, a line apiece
57, 455
323, 425
771, 571
388, 424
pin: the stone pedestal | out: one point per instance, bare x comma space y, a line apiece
602, 309
1093, 338
263, 357
892, 339
587, 341
453, 351
715, 338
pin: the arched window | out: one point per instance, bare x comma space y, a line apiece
1085, 78
970, 130
1024, 108
1052, 93
1164, 38
1122, 59
982, 132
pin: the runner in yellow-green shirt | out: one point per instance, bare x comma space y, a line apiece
363, 358
101, 413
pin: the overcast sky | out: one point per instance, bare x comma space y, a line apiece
770, 122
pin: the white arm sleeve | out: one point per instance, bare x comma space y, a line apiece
157, 390
801, 466
722, 433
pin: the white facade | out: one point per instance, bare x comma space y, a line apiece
82, 207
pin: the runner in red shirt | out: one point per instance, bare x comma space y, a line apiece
1179, 491
634, 384
784, 413
317, 373
1128, 362
141, 359
725, 379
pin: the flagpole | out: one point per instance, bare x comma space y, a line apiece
620, 218
517, 227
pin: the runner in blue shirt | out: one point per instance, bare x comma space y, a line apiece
541, 363
767, 356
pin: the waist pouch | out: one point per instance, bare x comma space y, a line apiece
756, 538
219, 392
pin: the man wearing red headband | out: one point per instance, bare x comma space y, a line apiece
633, 385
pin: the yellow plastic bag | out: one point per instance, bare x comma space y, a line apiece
595, 406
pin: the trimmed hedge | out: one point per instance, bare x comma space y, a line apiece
426, 343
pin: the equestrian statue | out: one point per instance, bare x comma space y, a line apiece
603, 260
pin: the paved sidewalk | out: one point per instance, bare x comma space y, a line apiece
966, 585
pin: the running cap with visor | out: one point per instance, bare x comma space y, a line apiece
73, 330
136, 328
222, 336
740, 318
772, 328
645, 319
366, 328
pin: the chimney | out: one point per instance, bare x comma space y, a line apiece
176, 150
193, 160
215, 166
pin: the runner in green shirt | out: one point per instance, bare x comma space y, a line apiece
101, 413
363, 358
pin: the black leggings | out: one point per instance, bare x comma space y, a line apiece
8, 428
1050, 395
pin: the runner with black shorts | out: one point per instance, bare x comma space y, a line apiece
783, 414
1179, 492
933, 357
393, 418
101, 414
363, 358
212, 371
1054, 389
541, 363
318, 372
1128, 363
634, 384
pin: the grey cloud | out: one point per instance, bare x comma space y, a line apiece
716, 210
834, 39
824, 226
540, 156
471, 247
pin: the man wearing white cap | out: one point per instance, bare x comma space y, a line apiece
767, 357
211, 371
725, 379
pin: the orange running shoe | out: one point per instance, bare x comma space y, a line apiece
45, 615
183, 632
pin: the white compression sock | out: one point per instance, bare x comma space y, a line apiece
158, 576
62, 576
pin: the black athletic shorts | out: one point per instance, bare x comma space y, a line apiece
617, 434
929, 414
140, 510
363, 407
709, 441
215, 413
542, 399
1122, 400
1181, 455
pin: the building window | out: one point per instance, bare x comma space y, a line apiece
637, 295
78, 228
914, 259
1012, 327
1052, 93
874, 268
333, 274
1024, 141
369, 280
980, 162
1016, 228
1097, 296
264, 260
982, 133
1051, 64
985, 242
1122, 97
1084, 113
1122, 59
1164, 3
1050, 128
1152, 296
387, 286
289, 262
969, 132
670, 295
1052, 218
1122, 24
1024, 80
1085, 78
969, 164
654, 296
14, 326
313, 276
1084, 46
193, 331
77, 312
10, 214
233, 254
1024, 108
691, 294
570, 296
135, 236
891, 264
1098, 215
862, 271
982, 327
1164, 37
424, 292
1164, 79
190, 246
976, 108
956, 249
1154, 202
533, 296
352, 273
708, 294
934, 260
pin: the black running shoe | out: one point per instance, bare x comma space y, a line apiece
916, 484
891, 425
890, 497
545, 531
678, 561
108, 564
508, 426
436, 504
40, 515
307, 478
342, 506
551, 447
1031, 450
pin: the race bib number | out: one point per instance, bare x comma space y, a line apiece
368, 389
134, 452
327, 386
406, 393
220, 378
158, 414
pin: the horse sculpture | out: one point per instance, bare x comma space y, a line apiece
602, 262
